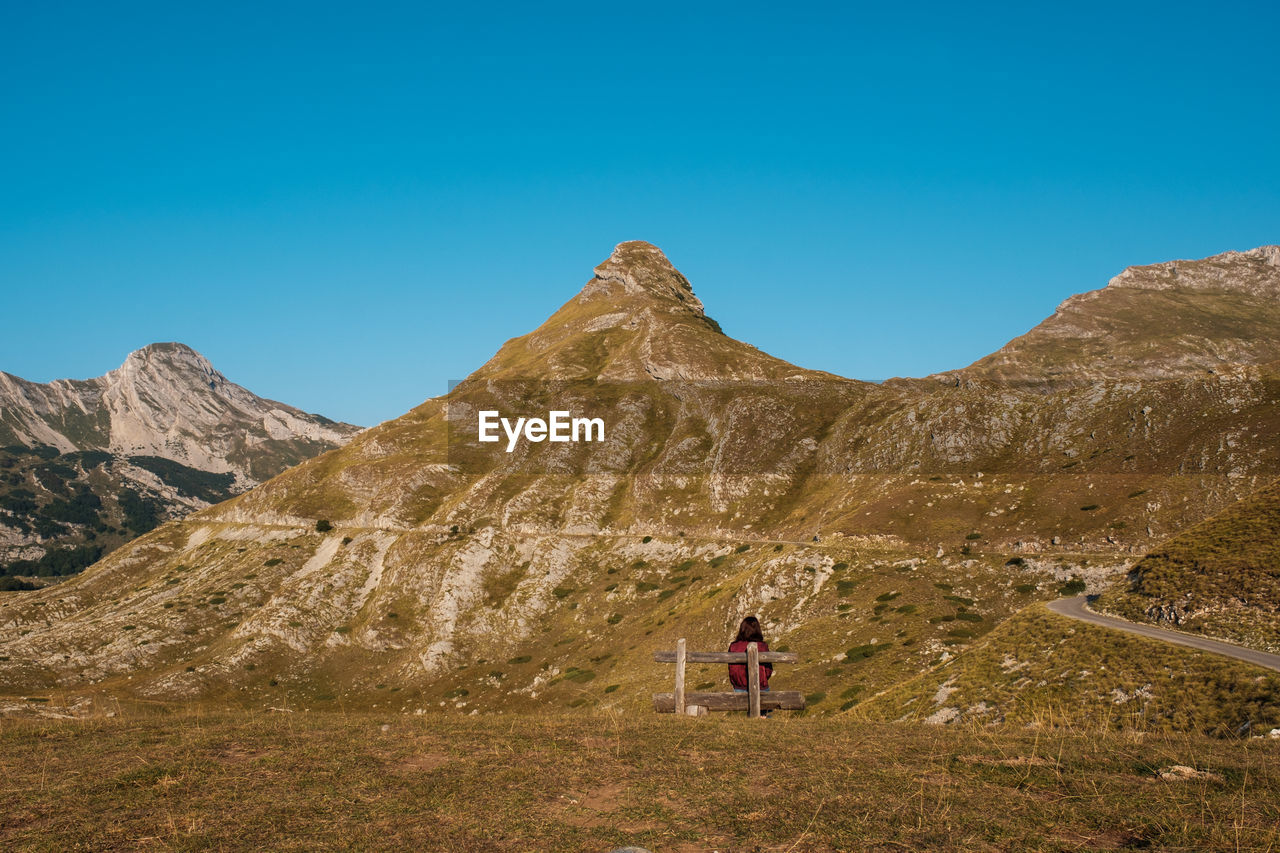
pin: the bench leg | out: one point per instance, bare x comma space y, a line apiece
680, 659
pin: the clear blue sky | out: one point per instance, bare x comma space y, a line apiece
346, 205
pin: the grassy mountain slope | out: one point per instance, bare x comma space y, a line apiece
1220, 578
1042, 669
564, 621
1176, 319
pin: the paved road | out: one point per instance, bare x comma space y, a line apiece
1076, 608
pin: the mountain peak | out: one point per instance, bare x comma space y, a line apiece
167, 400
641, 268
170, 359
170, 353
635, 320
1255, 272
166, 347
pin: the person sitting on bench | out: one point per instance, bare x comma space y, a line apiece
749, 632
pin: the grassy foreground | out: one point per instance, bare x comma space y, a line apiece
594, 782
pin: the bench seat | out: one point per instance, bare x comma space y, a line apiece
779, 700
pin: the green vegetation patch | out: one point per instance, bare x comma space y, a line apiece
1075, 586
865, 651
8, 584
497, 587
187, 481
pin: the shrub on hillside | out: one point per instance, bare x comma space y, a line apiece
1075, 586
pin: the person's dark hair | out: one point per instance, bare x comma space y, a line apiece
749, 631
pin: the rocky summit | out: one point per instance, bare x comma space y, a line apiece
879, 530
1181, 319
87, 464
637, 319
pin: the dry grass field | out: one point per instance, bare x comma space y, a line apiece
227, 780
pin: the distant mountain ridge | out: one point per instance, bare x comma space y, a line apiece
87, 464
166, 400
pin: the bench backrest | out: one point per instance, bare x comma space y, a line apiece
752, 657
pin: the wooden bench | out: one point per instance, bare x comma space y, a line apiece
753, 701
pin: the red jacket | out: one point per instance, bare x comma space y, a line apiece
738, 671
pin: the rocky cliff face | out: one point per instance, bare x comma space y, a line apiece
89, 463
880, 527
